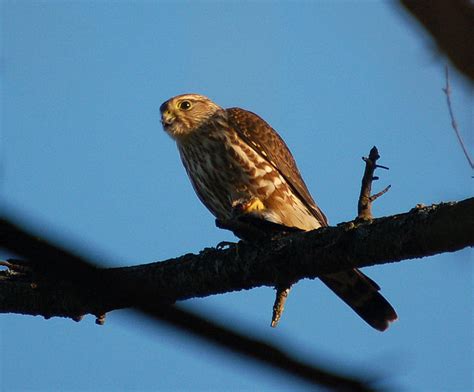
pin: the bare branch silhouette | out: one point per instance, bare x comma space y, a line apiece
364, 206
454, 124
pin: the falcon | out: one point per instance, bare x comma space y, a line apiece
237, 163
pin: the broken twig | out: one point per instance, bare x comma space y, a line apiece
454, 124
364, 206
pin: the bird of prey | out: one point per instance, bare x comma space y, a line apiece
238, 162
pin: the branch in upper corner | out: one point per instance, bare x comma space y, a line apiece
451, 24
454, 124
364, 206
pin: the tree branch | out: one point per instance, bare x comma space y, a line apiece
423, 231
451, 24
72, 270
364, 206
454, 124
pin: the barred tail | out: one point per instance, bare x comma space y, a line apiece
361, 294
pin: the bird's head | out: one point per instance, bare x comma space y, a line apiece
184, 114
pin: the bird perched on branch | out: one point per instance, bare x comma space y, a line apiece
239, 166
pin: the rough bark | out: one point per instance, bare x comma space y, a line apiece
49, 287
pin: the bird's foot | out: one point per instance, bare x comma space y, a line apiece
225, 244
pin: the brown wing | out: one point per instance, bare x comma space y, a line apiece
259, 135
352, 286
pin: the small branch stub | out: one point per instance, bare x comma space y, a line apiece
364, 206
100, 319
279, 305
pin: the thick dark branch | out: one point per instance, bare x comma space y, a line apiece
264, 352
78, 276
423, 231
60, 284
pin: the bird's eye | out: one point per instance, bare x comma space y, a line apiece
184, 105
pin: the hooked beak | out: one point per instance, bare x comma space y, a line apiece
167, 118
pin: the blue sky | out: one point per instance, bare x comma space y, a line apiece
84, 160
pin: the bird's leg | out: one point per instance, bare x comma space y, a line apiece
241, 229
253, 205
279, 305
241, 209
247, 206
248, 224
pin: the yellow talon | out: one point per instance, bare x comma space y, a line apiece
247, 207
254, 205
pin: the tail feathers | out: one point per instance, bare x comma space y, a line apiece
361, 294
